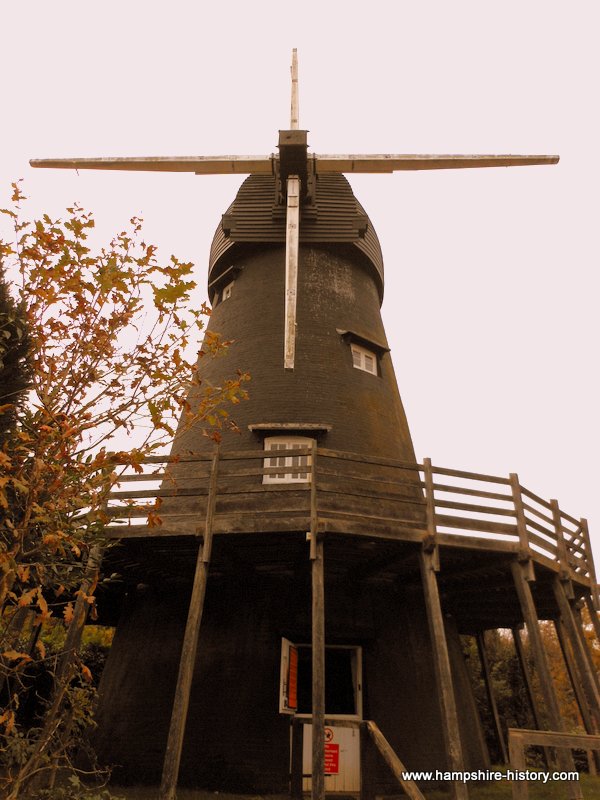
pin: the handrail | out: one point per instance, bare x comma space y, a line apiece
391, 759
520, 738
390, 491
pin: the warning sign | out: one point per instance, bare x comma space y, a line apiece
332, 758
292, 685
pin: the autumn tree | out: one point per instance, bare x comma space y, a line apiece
111, 336
14, 349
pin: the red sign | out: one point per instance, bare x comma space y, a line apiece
332, 758
292, 687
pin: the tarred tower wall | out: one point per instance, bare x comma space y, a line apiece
235, 737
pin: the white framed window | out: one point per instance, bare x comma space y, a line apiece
287, 461
364, 359
343, 680
227, 291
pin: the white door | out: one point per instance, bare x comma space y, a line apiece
342, 759
343, 701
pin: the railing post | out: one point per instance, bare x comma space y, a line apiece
563, 556
524, 547
431, 545
183, 687
589, 560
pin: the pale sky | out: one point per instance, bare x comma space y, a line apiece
491, 275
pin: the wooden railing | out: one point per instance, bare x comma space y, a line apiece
520, 738
398, 500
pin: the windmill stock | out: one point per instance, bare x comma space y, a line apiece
295, 171
344, 473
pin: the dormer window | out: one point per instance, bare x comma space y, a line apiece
365, 351
221, 287
300, 464
364, 359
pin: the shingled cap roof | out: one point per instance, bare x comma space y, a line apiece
335, 217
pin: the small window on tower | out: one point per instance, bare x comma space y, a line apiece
301, 473
364, 359
227, 291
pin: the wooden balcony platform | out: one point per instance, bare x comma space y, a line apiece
374, 516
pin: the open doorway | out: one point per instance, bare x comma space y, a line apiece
343, 680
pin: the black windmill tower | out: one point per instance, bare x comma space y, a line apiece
315, 594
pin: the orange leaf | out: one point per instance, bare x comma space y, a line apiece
27, 597
8, 718
15, 655
68, 613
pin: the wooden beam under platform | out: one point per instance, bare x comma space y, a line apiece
555, 722
183, 687
443, 672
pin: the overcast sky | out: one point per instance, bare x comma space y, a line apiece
491, 275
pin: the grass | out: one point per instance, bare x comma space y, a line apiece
151, 793
502, 790
498, 790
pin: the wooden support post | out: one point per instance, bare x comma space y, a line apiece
533, 705
432, 544
318, 670
297, 734
540, 659
587, 678
391, 759
443, 672
584, 711
576, 609
524, 548
181, 700
589, 557
80, 613
487, 679
589, 601
563, 640
314, 514
585, 645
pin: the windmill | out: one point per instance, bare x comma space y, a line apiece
295, 172
325, 455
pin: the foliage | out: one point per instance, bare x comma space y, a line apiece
14, 350
509, 689
110, 334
